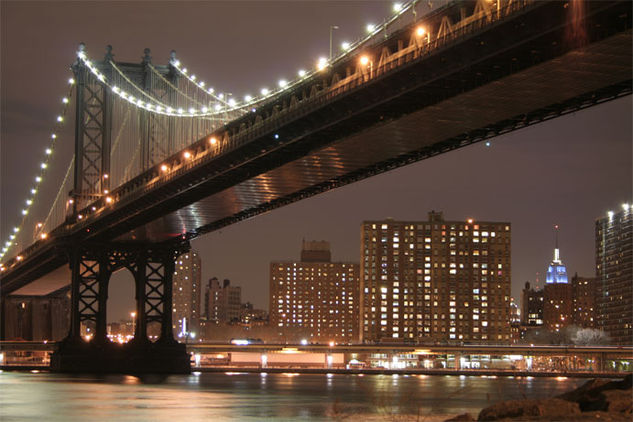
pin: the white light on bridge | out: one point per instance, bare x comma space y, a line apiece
49, 151
265, 91
43, 165
193, 77
53, 136
108, 199
202, 84
625, 207
25, 212
204, 109
60, 119
164, 168
247, 98
211, 90
420, 31
71, 81
213, 141
302, 73
345, 45
370, 28
397, 7
43, 236
282, 83
16, 229
186, 154
232, 102
38, 179
217, 107
192, 110
322, 63
65, 100
364, 60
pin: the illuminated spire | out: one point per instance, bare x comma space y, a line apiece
556, 271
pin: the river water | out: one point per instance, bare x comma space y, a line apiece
26, 396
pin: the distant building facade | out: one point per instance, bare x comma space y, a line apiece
557, 294
316, 295
37, 318
614, 262
435, 280
223, 302
585, 294
531, 306
186, 294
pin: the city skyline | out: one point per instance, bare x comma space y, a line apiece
568, 171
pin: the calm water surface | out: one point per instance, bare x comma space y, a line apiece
255, 397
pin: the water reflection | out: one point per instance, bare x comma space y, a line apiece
251, 397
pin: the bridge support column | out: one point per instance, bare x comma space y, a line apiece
153, 268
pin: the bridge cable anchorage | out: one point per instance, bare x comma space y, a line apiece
20, 235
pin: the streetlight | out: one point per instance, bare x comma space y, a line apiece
332, 28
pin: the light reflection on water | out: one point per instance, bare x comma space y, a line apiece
251, 397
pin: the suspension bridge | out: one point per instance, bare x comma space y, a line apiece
161, 158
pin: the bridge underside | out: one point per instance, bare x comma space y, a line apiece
565, 84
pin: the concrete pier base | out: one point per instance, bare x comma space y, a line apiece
110, 358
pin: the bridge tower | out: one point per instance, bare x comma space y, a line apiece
92, 262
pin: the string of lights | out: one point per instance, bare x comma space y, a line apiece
39, 178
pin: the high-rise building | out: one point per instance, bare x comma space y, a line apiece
223, 301
186, 295
585, 294
316, 296
531, 306
557, 294
435, 280
614, 263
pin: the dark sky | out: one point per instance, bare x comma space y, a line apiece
568, 171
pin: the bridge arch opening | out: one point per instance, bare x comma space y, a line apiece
121, 307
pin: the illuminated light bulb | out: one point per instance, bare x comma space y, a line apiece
202, 84
217, 107
43, 165
211, 90
106, 191
159, 108
115, 89
71, 81
70, 201
39, 225
247, 98
101, 77
301, 73
193, 77
186, 154
180, 111
164, 168
25, 212
232, 102
610, 214
29, 201
49, 151
192, 110
177, 63
184, 70
625, 207
140, 103
204, 109
8, 243
38, 179
53, 136
12, 237
108, 199
33, 191
169, 109
370, 28
60, 119
264, 91
282, 83
80, 216
105, 175
213, 141
220, 95
345, 45
420, 31
43, 236
65, 100
322, 63
364, 60
149, 106
19, 257
16, 229
94, 208
131, 99
397, 7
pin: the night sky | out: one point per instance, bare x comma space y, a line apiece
568, 171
